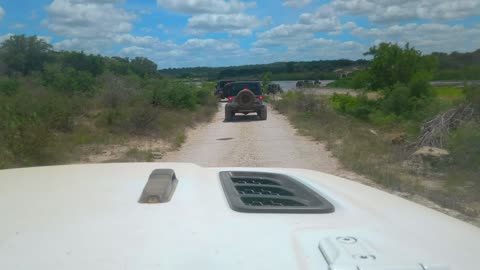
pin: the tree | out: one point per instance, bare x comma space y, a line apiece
94, 64
290, 67
392, 64
265, 81
24, 54
118, 65
143, 66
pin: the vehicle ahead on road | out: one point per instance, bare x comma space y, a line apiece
179, 216
219, 88
274, 88
244, 97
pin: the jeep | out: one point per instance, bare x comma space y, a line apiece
219, 88
244, 97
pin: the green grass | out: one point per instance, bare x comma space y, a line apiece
342, 83
449, 93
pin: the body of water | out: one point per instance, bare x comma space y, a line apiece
290, 85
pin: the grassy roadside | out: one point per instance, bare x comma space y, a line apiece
377, 145
42, 126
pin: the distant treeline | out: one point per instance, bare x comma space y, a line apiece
322, 69
453, 66
458, 66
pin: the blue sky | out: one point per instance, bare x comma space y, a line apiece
185, 33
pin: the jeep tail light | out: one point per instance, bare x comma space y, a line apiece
230, 98
260, 97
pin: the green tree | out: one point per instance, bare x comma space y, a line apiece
118, 65
94, 64
143, 66
360, 80
265, 81
392, 64
24, 54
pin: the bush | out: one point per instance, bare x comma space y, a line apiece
359, 107
397, 100
360, 80
464, 148
69, 80
472, 94
8, 86
420, 85
175, 94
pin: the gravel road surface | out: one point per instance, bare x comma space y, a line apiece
250, 142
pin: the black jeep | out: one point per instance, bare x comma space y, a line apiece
219, 88
244, 97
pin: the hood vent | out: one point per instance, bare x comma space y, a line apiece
160, 187
259, 192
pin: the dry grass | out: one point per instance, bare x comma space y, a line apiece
368, 150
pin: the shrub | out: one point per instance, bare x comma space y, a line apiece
69, 80
464, 146
360, 80
420, 85
397, 100
359, 107
472, 94
172, 94
8, 86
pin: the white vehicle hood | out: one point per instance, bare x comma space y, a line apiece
88, 217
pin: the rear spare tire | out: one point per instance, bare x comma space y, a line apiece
245, 98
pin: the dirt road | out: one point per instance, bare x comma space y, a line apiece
249, 142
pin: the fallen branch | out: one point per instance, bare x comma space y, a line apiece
435, 131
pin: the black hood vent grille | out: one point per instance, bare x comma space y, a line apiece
260, 192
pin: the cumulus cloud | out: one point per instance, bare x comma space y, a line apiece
391, 11
235, 24
205, 6
296, 3
324, 20
87, 19
193, 52
426, 37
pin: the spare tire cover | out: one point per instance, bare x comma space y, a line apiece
245, 98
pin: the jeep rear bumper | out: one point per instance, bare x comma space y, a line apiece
240, 109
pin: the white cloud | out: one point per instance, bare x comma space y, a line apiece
160, 26
235, 24
16, 26
193, 52
205, 6
2, 12
324, 20
87, 19
5, 37
390, 11
296, 3
425, 37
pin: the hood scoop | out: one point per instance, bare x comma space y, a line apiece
261, 192
160, 187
